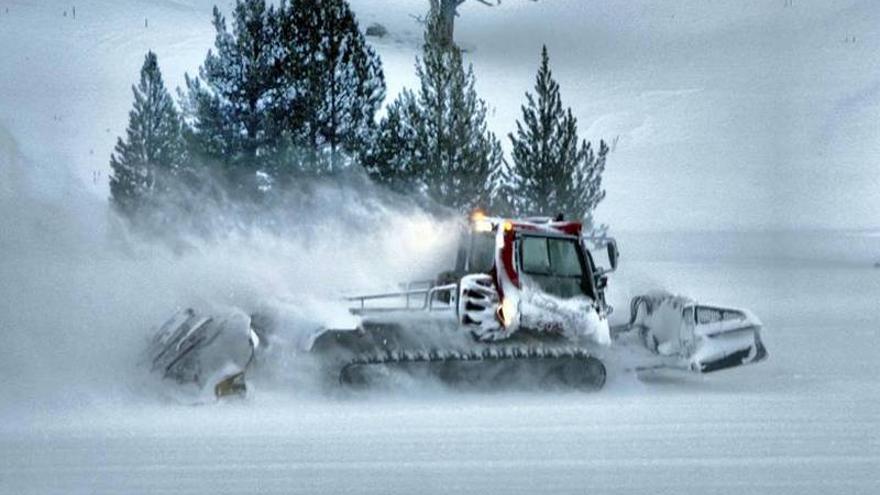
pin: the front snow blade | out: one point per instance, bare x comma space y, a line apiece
697, 337
723, 338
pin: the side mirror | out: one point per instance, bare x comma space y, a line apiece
613, 253
597, 243
602, 283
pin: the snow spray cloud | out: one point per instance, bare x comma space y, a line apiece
78, 298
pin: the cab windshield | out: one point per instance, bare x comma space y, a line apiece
555, 264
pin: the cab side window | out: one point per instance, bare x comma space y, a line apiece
556, 265
535, 257
564, 258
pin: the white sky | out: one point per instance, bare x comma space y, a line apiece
753, 114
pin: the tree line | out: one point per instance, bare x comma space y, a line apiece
291, 92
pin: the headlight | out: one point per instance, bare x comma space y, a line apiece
507, 312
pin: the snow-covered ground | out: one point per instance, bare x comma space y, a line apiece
748, 114
806, 421
768, 108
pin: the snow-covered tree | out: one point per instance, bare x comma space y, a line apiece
232, 106
452, 158
153, 152
338, 80
552, 170
292, 89
391, 157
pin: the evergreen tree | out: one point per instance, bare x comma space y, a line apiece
391, 157
453, 158
233, 106
340, 83
553, 172
291, 90
153, 153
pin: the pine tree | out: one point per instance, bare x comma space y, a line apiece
390, 159
290, 91
453, 158
553, 172
153, 154
232, 106
340, 82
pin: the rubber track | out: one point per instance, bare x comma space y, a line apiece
489, 354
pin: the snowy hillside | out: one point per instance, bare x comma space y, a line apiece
748, 106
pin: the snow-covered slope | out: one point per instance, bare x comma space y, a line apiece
739, 115
804, 422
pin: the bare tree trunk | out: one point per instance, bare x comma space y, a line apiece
446, 10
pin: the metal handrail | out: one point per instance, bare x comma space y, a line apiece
426, 296
451, 288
